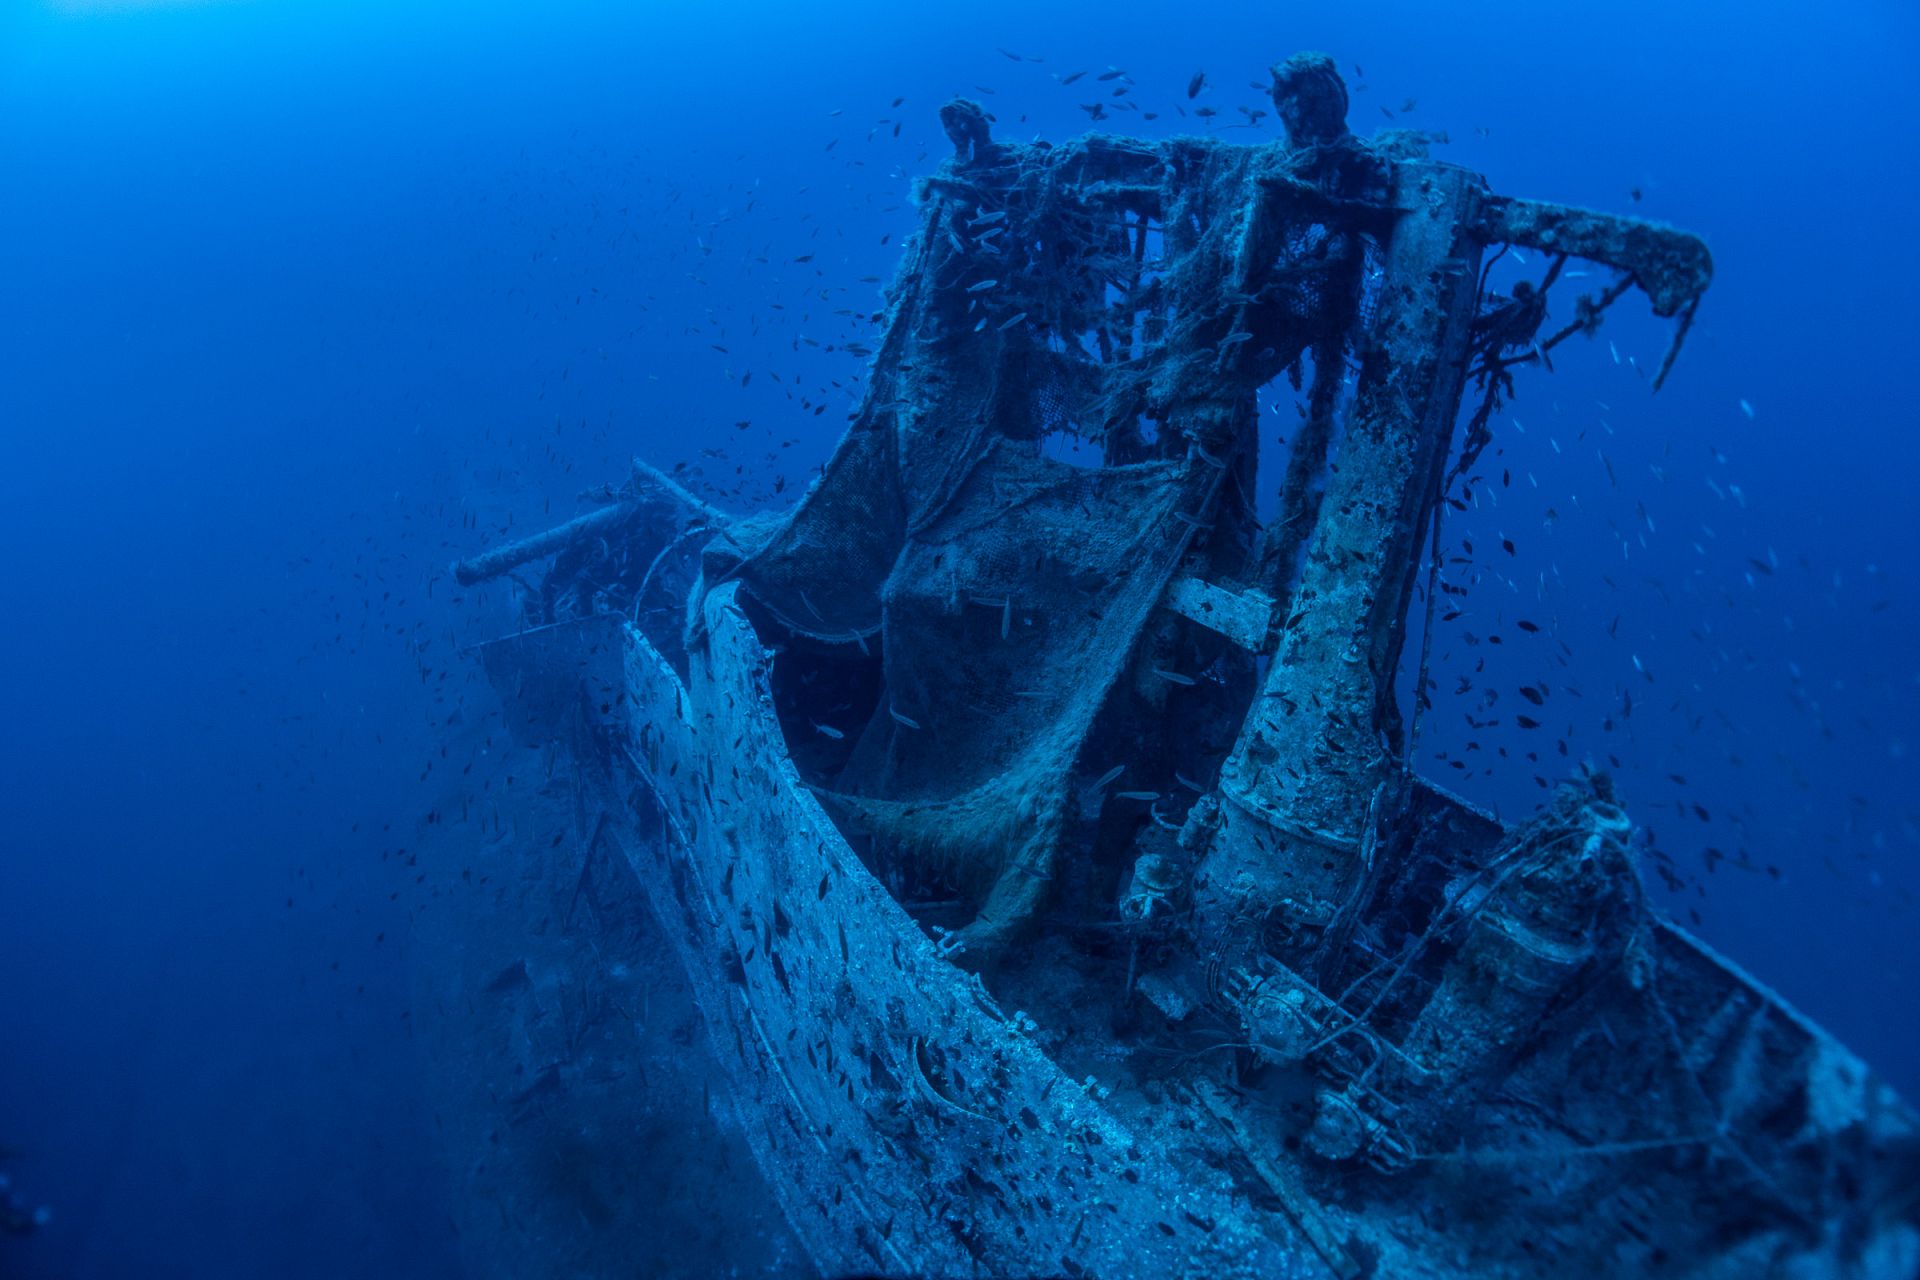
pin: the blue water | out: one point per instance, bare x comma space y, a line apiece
294, 293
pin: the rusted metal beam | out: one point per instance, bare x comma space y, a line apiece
1672, 267
649, 486
491, 564
1244, 617
1317, 743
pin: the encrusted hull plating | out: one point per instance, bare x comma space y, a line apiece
911, 1127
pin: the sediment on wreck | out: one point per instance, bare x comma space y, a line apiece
1041, 835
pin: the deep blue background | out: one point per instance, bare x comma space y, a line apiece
294, 291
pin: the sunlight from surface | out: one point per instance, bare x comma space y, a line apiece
89, 8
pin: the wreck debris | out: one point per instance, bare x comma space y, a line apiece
649, 492
1294, 1201
1311, 100
1320, 737
1366, 986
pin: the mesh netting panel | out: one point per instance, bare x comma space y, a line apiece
1004, 609
1133, 294
818, 568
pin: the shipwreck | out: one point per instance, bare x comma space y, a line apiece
1039, 838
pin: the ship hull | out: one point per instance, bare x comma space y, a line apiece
908, 1125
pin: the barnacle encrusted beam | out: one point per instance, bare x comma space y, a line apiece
1319, 739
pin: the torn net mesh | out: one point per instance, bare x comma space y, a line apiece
1008, 588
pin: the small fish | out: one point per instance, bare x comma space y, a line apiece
1011, 321
1070, 79
1111, 73
983, 286
1235, 338
988, 219
1173, 677
1006, 617
827, 731
1137, 795
1107, 777
1746, 409
1195, 85
907, 721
